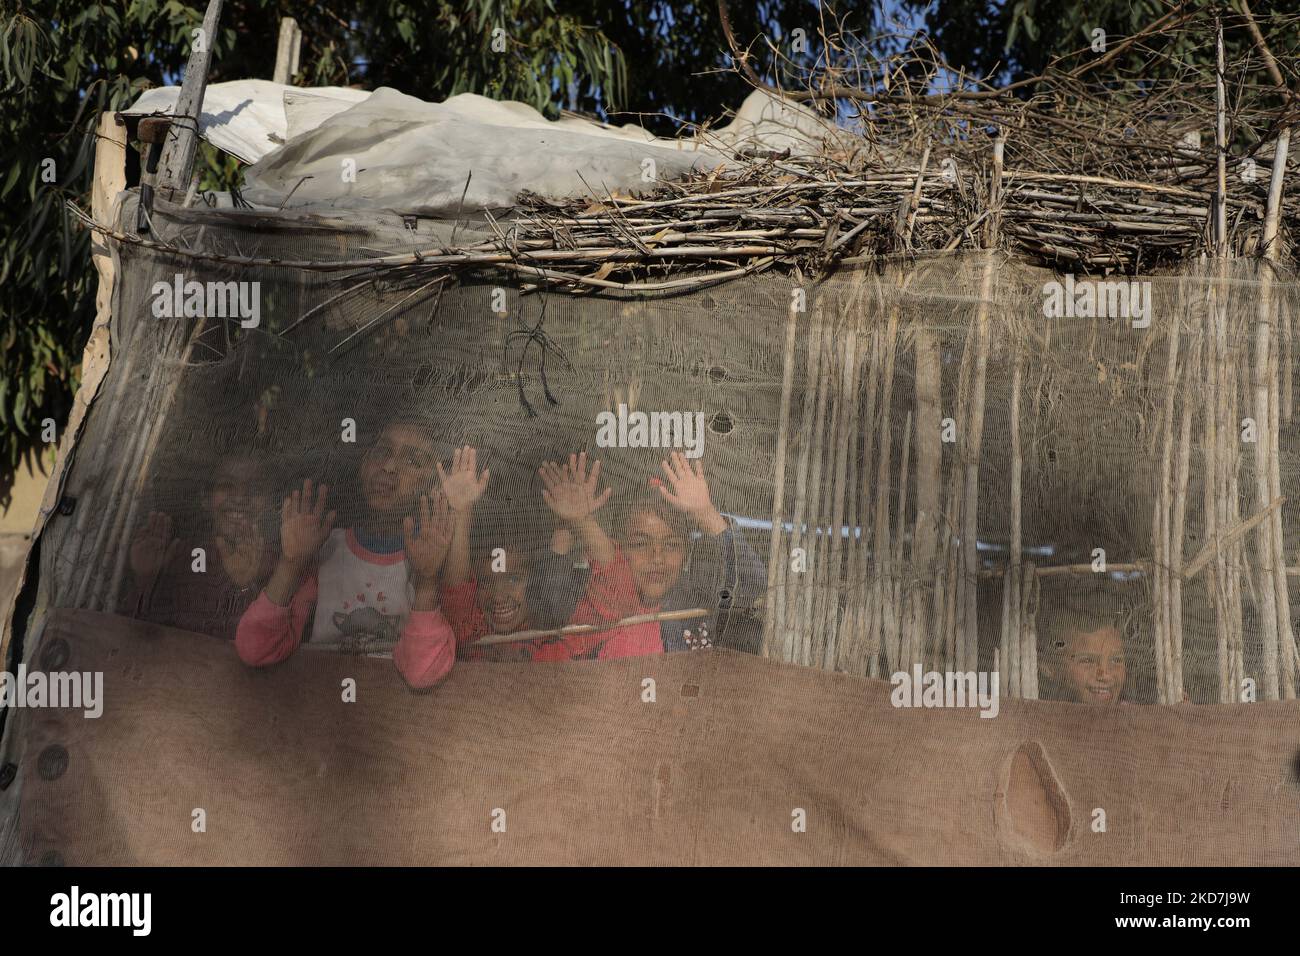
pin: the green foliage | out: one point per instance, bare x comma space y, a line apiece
61, 64
1018, 39
64, 62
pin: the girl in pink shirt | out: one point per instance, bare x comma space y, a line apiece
377, 581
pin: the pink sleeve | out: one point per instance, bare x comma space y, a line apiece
268, 633
639, 640
460, 607
611, 593
426, 650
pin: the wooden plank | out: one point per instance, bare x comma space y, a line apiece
286, 53
183, 135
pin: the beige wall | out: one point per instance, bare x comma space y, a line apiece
16, 524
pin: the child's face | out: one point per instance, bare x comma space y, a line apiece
396, 470
503, 595
655, 553
1094, 666
240, 499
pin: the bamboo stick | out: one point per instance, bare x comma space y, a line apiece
824, 569
1264, 551
776, 561
817, 455
1221, 147
796, 581
690, 614
1286, 641
1236, 383
1215, 545
881, 586
908, 649
1238, 531
972, 447
1160, 528
952, 579
972, 444
1029, 596
1177, 535
929, 463
860, 661
1286, 637
836, 578
1011, 641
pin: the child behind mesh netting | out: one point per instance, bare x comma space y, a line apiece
645, 571
1082, 654
207, 593
502, 577
368, 585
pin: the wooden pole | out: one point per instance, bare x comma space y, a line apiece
836, 580
886, 615
1011, 656
1177, 536
177, 163
287, 50
909, 642
776, 560
1221, 147
818, 451
929, 450
861, 662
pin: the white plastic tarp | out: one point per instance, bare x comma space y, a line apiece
340, 148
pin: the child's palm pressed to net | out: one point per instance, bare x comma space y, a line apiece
463, 486
570, 491
427, 543
304, 525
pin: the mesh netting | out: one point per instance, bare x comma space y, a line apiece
912, 463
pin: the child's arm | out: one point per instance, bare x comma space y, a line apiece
459, 605
570, 492
270, 632
461, 489
610, 594
152, 547
272, 627
427, 648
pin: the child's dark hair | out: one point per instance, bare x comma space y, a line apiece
503, 525
422, 423
1064, 613
653, 504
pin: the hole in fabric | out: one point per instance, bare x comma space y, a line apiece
721, 424
717, 374
1037, 810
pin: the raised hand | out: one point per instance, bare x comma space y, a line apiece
690, 491
304, 524
152, 545
460, 486
241, 552
427, 543
570, 490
